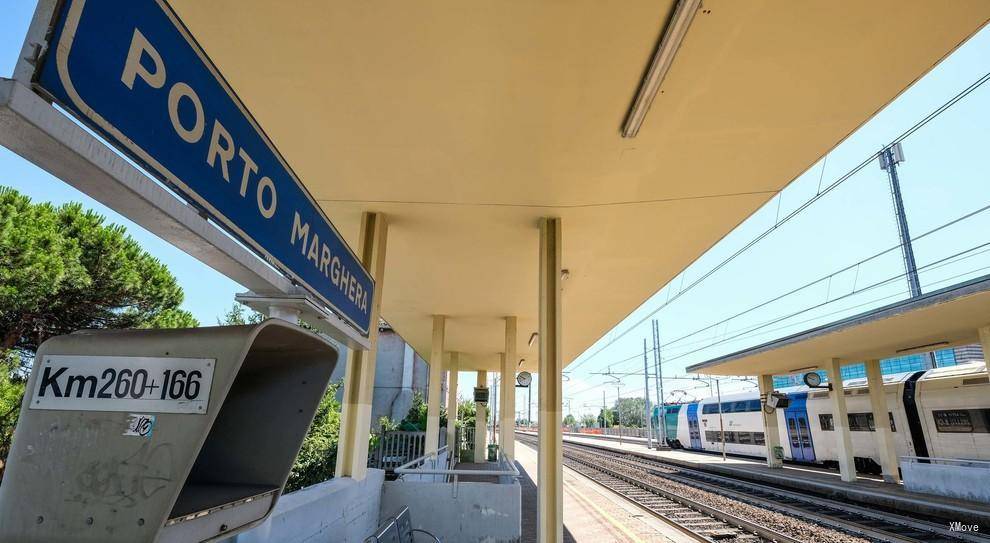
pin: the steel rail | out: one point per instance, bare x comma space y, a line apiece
719, 484
725, 517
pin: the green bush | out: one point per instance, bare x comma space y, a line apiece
318, 456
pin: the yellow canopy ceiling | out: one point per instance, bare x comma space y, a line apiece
467, 121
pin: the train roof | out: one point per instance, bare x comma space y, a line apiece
959, 370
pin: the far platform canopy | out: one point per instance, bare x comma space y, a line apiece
466, 122
944, 318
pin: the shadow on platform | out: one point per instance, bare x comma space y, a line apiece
529, 508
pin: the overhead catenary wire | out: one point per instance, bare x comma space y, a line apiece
777, 224
956, 257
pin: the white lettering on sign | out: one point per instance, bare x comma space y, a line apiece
222, 148
329, 265
123, 383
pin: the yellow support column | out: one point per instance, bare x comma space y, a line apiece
452, 405
881, 422
771, 430
359, 377
550, 475
840, 420
507, 398
985, 343
433, 394
481, 422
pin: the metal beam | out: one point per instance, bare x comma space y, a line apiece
359, 378
550, 477
32, 128
35, 130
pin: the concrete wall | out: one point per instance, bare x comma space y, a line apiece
339, 510
465, 512
399, 372
952, 480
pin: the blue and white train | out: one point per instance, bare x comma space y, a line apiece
942, 412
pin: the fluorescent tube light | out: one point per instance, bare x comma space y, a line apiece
671, 40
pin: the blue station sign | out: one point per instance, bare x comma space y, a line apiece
132, 72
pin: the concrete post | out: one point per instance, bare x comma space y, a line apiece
985, 344
840, 419
452, 444
481, 422
285, 313
550, 477
433, 392
359, 377
881, 420
771, 430
507, 407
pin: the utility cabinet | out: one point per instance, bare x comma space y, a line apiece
160, 435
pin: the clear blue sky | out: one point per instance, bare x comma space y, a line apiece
943, 178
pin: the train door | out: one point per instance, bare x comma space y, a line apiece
671, 413
798, 429
694, 430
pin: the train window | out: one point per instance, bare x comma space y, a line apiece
805, 432
745, 438
754, 405
858, 422
792, 431
826, 421
758, 438
963, 420
709, 408
740, 407
861, 422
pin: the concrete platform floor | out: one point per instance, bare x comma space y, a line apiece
592, 514
866, 490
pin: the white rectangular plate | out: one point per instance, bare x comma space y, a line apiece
124, 383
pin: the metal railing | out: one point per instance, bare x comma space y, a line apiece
624, 432
396, 448
429, 464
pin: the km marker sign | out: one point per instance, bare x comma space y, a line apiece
131, 71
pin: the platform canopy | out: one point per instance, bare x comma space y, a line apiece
466, 122
941, 319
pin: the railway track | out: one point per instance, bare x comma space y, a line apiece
640, 478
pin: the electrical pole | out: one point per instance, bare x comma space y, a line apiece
658, 366
618, 412
646, 400
529, 406
890, 157
604, 413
